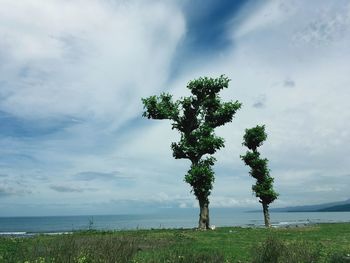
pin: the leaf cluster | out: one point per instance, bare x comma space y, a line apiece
254, 137
160, 108
201, 178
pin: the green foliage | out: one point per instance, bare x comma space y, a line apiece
275, 250
254, 137
77, 248
268, 251
263, 188
326, 242
340, 257
199, 142
160, 107
201, 178
329, 242
181, 255
196, 118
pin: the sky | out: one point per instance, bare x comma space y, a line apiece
73, 72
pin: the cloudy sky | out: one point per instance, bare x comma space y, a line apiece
72, 74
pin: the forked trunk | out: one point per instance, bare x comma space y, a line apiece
266, 214
203, 215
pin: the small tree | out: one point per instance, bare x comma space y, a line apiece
253, 138
196, 117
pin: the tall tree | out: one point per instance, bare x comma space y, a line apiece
254, 138
196, 118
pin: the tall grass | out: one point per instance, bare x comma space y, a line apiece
323, 243
275, 250
81, 248
340, 257
180, 255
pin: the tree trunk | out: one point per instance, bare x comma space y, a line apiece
203, 223
266, 214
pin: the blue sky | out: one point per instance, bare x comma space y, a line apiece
72, 139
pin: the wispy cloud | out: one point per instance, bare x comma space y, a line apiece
5, 191
66, 189
260, 102
289, 83
13, 190
89, 176
51, 49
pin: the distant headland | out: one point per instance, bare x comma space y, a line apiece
341, 206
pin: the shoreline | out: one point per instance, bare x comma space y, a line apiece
280, 225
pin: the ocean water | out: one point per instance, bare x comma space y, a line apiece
165, 219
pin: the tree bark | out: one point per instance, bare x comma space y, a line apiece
266, 214
203, 223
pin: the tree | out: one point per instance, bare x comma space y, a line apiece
196, 118
254, 138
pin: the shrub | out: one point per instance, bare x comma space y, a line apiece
181, 255
73, 248
274, 250
340, 257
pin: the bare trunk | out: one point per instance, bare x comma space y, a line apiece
266, 214
203, 215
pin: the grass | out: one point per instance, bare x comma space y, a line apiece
319, 243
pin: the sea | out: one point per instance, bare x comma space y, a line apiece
183, 218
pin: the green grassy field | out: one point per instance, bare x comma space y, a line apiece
318, 243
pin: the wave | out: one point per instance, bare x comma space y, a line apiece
13, 233
28, 234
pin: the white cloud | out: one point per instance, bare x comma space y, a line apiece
89, 62
271, 14
62, 59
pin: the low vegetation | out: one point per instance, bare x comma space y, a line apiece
319, 243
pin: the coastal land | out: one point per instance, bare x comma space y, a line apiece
311, 243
